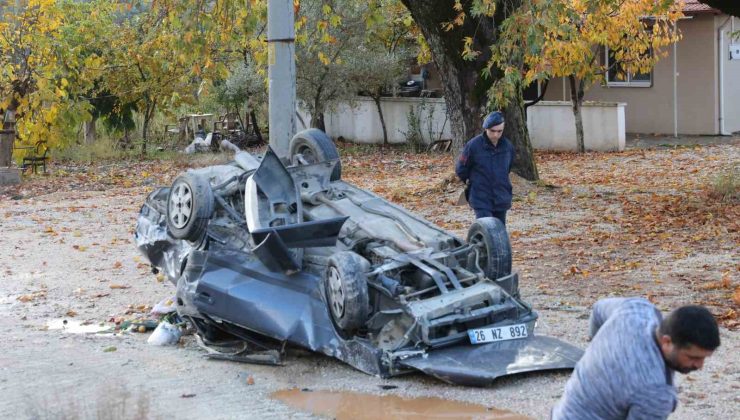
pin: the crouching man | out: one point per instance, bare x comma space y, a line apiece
627, 369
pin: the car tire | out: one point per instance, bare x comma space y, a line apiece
315, 147
495, 258
189, 207
345, 286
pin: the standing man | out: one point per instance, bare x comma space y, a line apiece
484, 165
627, 370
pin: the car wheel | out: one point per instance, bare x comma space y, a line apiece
189, 207
314, 146
346, 291
489, 234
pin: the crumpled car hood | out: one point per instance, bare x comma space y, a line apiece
480, 365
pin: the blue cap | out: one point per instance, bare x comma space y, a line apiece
492, 119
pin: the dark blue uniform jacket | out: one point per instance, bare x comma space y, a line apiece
487, 169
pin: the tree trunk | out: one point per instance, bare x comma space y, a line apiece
317, 121
148, 114
90, 132
144, 132
465, 90
516, 129
576, 99
376, 98
317, 116
256, 127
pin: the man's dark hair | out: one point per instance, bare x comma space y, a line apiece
689, 325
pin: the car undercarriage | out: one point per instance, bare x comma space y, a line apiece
275, 252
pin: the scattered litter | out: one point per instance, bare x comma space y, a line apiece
138, 325
138, 309
165, 306
187, 395
77, 327
109, 349
250, 380
165, 334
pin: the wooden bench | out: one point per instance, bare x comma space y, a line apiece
38, 157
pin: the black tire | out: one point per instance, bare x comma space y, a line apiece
315, 147
345, 286
189, 207
495, 251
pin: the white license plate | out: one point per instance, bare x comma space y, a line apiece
489, 335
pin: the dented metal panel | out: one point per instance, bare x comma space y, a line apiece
411, 294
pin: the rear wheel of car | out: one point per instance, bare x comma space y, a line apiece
189, 207
346, 291
489, 234
314, 146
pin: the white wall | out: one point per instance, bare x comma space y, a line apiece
359, 121
551, 124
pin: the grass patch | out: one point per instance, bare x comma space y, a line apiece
104, 149
726, 186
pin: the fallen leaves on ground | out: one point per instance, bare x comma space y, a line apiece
639, 222
40, 294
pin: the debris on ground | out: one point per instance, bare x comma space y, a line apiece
165, 334
163, 307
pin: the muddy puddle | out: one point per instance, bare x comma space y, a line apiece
77, 327
356, 406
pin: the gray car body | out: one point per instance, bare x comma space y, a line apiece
259, 273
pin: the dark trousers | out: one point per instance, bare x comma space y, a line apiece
500, 215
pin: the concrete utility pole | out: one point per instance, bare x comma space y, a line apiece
281, 74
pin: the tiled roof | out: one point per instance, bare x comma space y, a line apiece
694, 6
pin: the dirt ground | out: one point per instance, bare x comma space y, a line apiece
645, 222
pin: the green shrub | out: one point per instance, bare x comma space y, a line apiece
414, 137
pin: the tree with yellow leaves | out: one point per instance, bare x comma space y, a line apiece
41, 67
571, 38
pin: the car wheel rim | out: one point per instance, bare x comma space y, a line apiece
181, 205
336, 293
308, 154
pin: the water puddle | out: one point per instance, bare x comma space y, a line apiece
356, 406
77, 327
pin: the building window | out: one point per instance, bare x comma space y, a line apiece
617, 77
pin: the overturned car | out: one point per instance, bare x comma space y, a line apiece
273, 252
